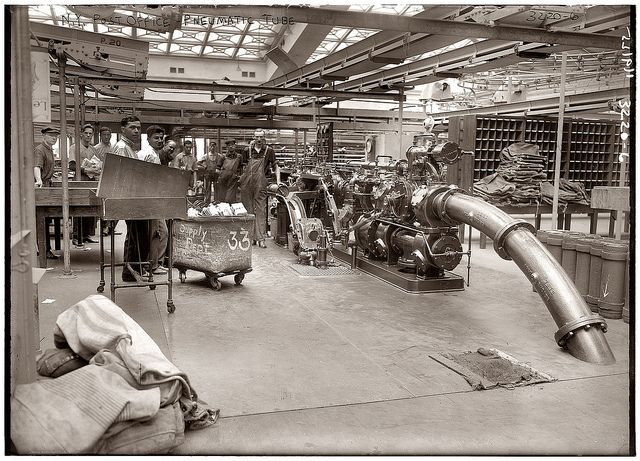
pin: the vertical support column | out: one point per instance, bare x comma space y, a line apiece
24, 341
400, 113
295, 147
64, 160
77, 129
558, 160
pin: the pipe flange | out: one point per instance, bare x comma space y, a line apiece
441, 205
565, 332
501, 235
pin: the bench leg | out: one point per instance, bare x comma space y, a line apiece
593, 223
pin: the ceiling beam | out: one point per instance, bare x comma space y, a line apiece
162, 105
358, 51
242, 123
418, 25
246, 89
539, 104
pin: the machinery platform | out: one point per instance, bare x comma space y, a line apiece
403, 280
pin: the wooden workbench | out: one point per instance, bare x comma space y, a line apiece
82, 202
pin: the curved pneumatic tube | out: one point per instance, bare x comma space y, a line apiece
580, 331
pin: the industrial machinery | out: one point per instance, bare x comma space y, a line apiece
402, 218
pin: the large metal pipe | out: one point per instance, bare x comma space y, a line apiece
580, 331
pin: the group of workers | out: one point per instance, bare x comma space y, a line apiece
241, 172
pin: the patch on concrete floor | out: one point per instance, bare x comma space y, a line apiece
312, 271
489, 368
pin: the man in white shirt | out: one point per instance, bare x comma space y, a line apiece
104, 147
136, 243
129, 143
84, 227
158, 227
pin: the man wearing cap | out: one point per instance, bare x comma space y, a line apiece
260, 160
186, 160
43, 172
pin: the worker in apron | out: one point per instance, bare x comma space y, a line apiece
227, 184
259, 162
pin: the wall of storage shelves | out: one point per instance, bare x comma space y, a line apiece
347, 146
591, 145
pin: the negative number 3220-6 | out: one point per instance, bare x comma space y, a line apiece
550, 15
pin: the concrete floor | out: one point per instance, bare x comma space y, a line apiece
340, 364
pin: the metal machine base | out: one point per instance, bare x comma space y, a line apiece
405, 281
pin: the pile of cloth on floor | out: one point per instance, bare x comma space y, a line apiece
216, 209
516, 180
110, 390
569, 192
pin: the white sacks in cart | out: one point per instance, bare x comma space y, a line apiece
219, 209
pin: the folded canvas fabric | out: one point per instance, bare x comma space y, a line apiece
96, 323
158, 435
568, 192
71, 413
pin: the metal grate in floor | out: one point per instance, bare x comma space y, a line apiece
312, 271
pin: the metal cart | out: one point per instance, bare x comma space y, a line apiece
215, 245
133, 190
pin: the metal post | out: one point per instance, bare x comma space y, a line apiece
304, 143
556, 177
77, 127
64, 160
400, 115
295, 147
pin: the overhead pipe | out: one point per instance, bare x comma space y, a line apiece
580, 331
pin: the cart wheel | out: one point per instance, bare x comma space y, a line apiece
183, 276
238, 278
215, 283
171, 308
100, 289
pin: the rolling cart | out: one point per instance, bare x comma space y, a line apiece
214, 245
131, 189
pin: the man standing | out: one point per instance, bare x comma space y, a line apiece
167, 155
83, 227
43, 172
130, 129
104, 147
157, 227
209, 167
155, 138
260, 161
136, 243
227, 184
186, 160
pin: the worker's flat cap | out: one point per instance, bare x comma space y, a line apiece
230, 141
188, 143
50, 130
